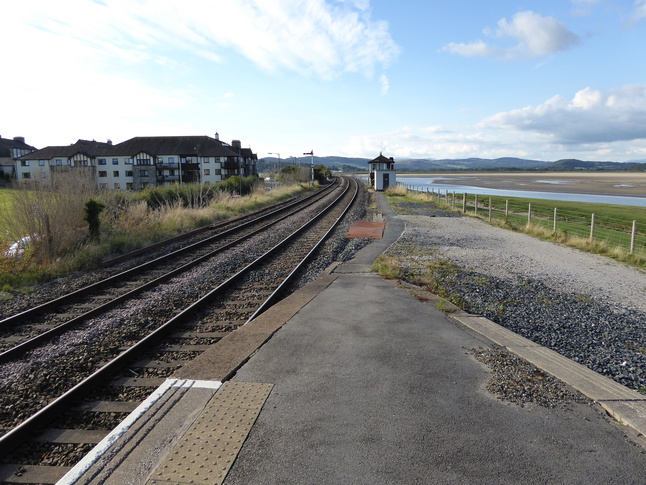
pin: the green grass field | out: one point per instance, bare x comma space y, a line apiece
6, 201
542, 207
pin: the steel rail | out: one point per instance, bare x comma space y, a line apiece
19, 317
12, 439
277, 292
23, 347
264, 211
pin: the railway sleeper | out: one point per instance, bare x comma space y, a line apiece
185, 348
21, 474
191, 334
157, 364
107, 406
72, 436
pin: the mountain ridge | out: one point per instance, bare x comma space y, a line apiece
350, 164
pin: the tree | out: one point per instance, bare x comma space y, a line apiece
92, 210
321, 173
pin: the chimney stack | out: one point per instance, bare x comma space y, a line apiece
20, 139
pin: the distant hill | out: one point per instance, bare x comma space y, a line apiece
570, 164
506, 163
345, 164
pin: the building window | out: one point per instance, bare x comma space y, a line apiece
143, 173
117, 185
128, 173
217, 172
103, 186
128, 161
103, 173
24, 163
84, 163
143, 161
160, 159
59, 161
69, 161
115, 161
115, 173
26, 175
102, 161
129, 185
41, 163
43, 175
207, 171
171, 159
206, 160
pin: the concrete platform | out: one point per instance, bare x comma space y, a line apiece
354, 380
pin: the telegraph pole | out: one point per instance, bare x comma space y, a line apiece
311, 154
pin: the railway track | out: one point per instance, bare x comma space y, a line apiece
21, 332
107, 366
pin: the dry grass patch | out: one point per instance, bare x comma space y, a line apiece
130, 220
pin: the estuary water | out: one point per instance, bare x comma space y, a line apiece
437, 183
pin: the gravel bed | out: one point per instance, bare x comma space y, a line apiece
589, 308
338, 248
516, 380
417, 209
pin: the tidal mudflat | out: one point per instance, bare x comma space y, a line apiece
630, 184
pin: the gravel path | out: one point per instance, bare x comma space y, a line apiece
587, 307
477, 246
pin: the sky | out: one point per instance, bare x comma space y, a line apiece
536, 79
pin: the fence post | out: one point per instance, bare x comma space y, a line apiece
592, 227
554, 228
489, 209
529, 215
453, 200
446, 195
506, 209
464, 203
633, 234
475, 208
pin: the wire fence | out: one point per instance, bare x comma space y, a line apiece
615, 233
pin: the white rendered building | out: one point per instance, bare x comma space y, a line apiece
382, 173
141, 161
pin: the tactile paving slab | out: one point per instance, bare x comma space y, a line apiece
206, 452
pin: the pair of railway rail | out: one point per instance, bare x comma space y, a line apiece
256, 280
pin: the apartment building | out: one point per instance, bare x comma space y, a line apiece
141, 161
10, 151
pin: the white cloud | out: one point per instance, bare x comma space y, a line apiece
309, 36
534, 36
385, 84
640, 10
112, 66
592, 116
593, 125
